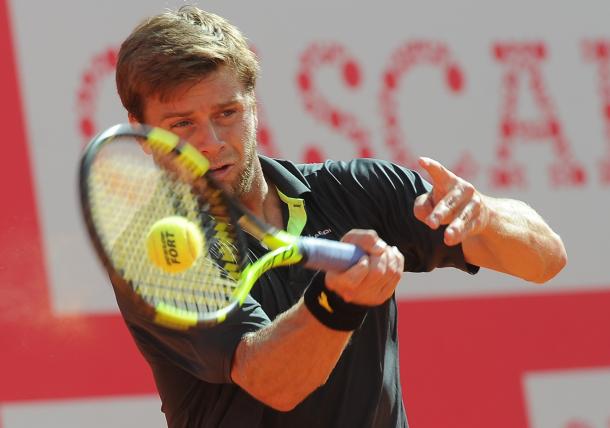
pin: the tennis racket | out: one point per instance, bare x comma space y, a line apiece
133, 177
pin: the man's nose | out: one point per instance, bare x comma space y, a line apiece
208, 140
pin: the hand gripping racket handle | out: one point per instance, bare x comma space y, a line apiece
327, 255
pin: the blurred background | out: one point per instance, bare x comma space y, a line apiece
514, 96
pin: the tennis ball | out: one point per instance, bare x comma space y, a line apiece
174, 243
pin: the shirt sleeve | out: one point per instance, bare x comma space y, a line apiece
382, 196
204, 352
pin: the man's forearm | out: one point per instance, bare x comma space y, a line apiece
284, 362
516, 241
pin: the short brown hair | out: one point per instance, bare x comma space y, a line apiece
178, 47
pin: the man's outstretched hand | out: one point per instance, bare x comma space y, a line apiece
453, 201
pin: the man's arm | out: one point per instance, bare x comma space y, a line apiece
516, 241
500, 234
284, 362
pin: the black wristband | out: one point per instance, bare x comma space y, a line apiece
330, 309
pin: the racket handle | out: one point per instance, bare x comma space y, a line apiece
327, 255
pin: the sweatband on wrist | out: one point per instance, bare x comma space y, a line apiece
330, 309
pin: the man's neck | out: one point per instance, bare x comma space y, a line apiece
264, 201
272, 207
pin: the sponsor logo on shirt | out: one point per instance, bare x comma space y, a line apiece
322, 232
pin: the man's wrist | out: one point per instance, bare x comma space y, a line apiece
330, 309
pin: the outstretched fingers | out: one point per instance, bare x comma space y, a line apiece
452, 201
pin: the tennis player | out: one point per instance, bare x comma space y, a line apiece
286, 360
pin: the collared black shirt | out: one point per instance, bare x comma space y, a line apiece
192, 368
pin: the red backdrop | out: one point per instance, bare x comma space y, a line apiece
462, 360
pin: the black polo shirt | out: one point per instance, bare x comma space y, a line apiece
192, 368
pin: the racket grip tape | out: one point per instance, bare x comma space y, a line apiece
327, 255
330, 309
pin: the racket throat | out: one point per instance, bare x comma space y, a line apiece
283, 256
272, 238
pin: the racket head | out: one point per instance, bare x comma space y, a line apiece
130, 177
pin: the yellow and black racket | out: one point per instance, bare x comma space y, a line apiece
174, 236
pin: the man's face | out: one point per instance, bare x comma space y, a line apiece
218, 117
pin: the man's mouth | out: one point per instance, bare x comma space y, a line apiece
220, 171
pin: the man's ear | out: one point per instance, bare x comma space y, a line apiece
134, 122
132, 119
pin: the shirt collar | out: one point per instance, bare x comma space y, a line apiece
292, 188
285, 176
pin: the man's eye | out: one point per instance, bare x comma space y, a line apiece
228, 113
181, 124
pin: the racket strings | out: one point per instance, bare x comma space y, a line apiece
217, 220
128, 194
